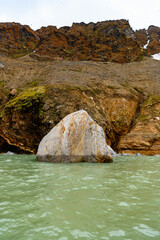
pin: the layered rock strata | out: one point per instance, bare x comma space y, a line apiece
144, 137
36, 95
26, 118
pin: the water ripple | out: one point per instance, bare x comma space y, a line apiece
79, 201
146, 230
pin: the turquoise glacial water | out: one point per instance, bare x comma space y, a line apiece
47, 201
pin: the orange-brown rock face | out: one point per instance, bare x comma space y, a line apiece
103, 41
144, 137
30, 115
20, 119
122, 98
17, 39
150, 39
141, 36
53, 44
113, 41
154, 37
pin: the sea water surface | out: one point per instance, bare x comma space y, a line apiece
113, 201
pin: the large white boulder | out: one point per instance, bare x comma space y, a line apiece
77, 138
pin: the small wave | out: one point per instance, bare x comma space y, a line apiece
146, 230
81, 234
124, 204
119, 233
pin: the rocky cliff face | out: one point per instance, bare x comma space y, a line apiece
16, 39
30, 115
122, 98
103, 41
149, 40
144, 137
113, 41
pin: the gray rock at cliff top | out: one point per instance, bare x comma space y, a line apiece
77, 138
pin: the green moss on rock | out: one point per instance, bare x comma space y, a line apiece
143, 118
152, 100
149, 108
26, 98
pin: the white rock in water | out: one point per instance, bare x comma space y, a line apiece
9, 153
77, 138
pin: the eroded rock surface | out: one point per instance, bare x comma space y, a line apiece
144, 137
20, 119
119, 97
113, 41
149, 40
103, 41
77, 138
16, 39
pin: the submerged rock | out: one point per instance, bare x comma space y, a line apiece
77, 138
10, 153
